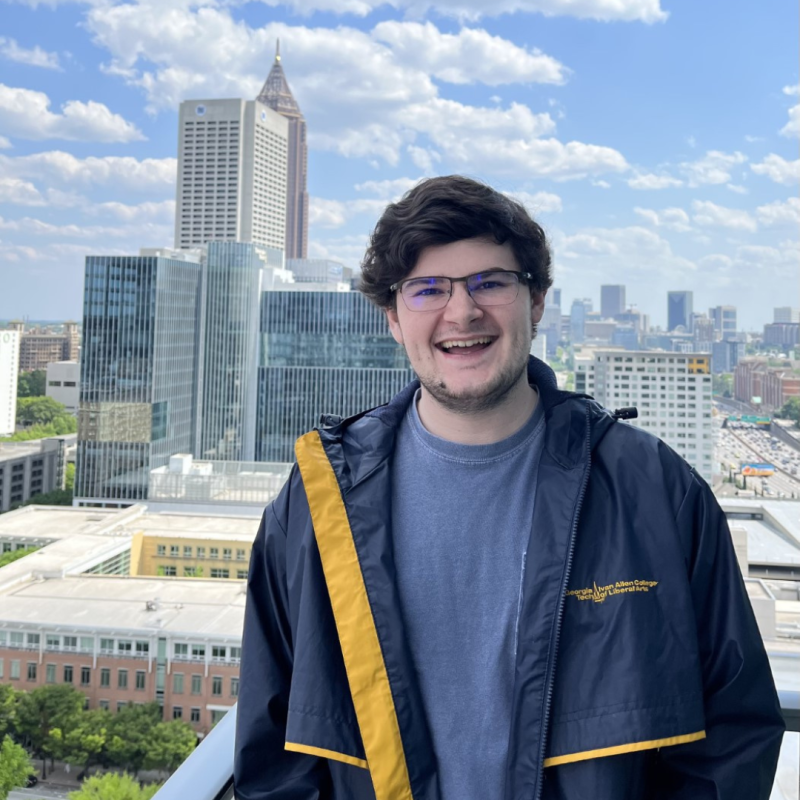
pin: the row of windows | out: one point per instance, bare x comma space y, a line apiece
171, 571
200, 552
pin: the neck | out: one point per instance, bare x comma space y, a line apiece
484, 427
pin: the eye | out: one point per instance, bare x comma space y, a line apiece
423, 288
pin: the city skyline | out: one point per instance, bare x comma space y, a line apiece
637, 178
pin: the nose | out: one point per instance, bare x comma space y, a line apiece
461, 308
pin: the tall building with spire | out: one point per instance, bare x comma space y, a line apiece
277, 95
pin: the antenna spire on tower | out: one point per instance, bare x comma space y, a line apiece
278, 50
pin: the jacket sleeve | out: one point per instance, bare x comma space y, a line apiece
744, 726
263, 769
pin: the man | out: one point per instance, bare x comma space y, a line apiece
490, 589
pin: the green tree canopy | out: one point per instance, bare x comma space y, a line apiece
129, 734
39, 410
8, 704
113, 786
85, 745
15, 767
170, 744
791, 410
32, 384
45, 710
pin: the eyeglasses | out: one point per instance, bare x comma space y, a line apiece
495, 287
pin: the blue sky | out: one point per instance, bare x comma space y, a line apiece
656, 141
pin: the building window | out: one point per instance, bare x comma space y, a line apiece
181, 650
201, 552
177, 683
197, 684
67, 674
140, 680
220, 573
120, 705
227, 553
213, 552
53, 642
87, 644
122, 679
241, 574
124, 646
106, 645
31, 670
142, 648
218, 653
50, 673
198, 651
187, 551
174, 550
15, 668
234, 687
168, 571
195, 715
86, 676
103, 704
33, 640
70, 643
105, 677
236, 653
216, 686
15, 639
161, 550
177, 712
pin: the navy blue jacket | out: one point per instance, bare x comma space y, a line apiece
640, 674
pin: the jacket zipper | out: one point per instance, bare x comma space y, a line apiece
560, 613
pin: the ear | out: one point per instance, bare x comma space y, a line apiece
394, 324
537, 306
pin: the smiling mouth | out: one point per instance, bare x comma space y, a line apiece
464, 346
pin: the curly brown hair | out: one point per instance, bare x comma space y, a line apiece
448, 209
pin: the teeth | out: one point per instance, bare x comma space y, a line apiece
466, 343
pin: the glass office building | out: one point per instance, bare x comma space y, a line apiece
321, 353
138, 390
235, 276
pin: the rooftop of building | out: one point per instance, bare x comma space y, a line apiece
125, 605
10, 451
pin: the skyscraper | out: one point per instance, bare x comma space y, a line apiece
139, 372
277, 95
612, 300
321, 353
231, 173
577, 319
679, 311
230, 345
724, 318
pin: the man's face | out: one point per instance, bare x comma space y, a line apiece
478, 377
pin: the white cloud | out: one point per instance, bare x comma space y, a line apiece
780, 213
601, 184
470, 56
161, 212
35, 57
335, 213
38, 227
792, 127
710, 214
652, 181
348, 250
423, 158
26, 114
792, 90
648, 11
714, 168
119, 172
675, 219
19, 192
779, 170
363, 98
733, 187
390, 190
762, 266
539, 202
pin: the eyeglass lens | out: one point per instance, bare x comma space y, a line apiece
485, 288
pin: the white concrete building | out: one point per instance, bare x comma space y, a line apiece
9, 372
63, 382
232, 162
672, 392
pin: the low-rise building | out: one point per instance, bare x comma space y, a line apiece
766, 383
30, 468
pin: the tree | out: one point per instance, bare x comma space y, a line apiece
58, 497
8, 708
69, 477
32, 384
722, 384
85, 745
170, 744
8, 558
39, 411
791, 410
45, 710
113, 786
129, 734
15, 767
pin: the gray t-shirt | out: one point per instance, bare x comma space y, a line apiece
461, 521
